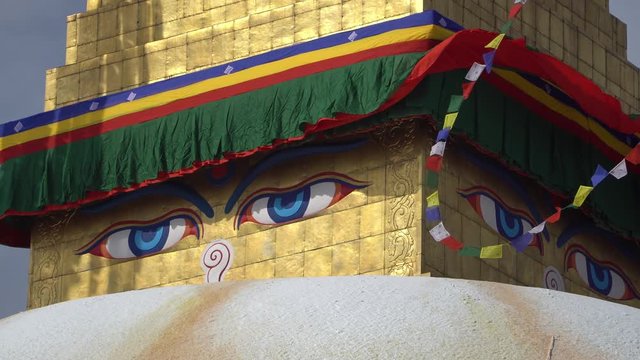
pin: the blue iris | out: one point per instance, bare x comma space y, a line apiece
289, 206
509, 226
148, 240
599, 277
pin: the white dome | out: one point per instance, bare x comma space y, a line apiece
337, 318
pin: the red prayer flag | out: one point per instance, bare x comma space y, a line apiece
467, 87
515, 10
452, 243
555, 217
434, 163
634, 155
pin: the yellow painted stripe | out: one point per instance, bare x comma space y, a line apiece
431, 32
565, 110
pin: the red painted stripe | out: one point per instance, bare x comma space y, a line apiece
211, 96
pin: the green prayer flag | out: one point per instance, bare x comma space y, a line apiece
506, 27
432, 180
470, 251
455, 103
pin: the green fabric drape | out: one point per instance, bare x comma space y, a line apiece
141, 152
558, 160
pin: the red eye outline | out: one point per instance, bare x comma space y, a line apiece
472, 195
344, 186
570, 263
97, 246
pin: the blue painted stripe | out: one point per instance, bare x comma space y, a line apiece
71, 111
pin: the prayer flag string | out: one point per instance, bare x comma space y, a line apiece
618, 172
434, 161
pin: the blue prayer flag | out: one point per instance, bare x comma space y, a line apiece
598, 176
433, 213
488, 61
522, 242
443, 134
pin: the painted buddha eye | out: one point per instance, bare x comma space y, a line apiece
602, 277
506, 221
126, 240
273, 206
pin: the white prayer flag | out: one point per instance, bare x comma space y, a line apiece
438, 148
538, 229
439, 233
475, 72
620, 170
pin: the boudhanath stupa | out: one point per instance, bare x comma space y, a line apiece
330, 179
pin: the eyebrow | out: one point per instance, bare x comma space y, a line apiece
182, 191
508, 178
284, 156
505, 176
627, 248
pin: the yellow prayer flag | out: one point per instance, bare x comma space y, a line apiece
495, 42
491, 252
433, 200
581, 195
449, 120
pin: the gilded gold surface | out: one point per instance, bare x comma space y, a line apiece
155, 65
401, 187
318, 262
346, 259
371, 219
368, 231
346, 225
290, 239
371, 254
114, 25
46, 256
260, 246
290, 266
44, 292
318, 232
376, 230
261, 270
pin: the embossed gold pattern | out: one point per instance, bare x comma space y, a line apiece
46, 259
399, 139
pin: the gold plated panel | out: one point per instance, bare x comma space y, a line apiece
375, 230
367, 231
